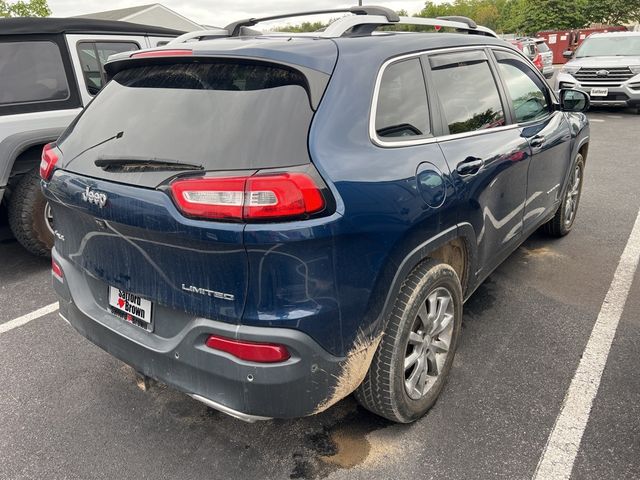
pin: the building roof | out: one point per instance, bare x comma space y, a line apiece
146, 14
117, 14
34, 25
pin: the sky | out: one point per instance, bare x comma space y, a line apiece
221, 13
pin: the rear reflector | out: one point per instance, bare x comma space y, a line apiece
277, 196
163, 53
250, 351
56, 271
48, 161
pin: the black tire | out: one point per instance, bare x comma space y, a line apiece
560, 225
27, 208
383, 390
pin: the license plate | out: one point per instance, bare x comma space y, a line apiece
599, 92
131, 308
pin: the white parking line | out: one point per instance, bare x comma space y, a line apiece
564, 442
597, 120
18, 322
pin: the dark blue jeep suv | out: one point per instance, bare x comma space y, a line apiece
272, 222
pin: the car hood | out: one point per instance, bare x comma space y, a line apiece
603, 62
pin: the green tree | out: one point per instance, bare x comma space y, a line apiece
553, 15
612, 12
303, 27
24, 8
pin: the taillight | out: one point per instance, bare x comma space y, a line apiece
56, 271
250, 351
276, 196
163, 53
48, 162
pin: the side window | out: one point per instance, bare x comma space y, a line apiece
31, 72
528, 94
401, 109
93, 56
467, 90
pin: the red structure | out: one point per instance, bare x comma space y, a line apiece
562, 40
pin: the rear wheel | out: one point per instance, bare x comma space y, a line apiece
30, 216
415, 355
563, 220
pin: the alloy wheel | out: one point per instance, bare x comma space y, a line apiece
429, 343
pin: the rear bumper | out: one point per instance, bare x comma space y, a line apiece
250, 391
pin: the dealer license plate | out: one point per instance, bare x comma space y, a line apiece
599, 92
131, 308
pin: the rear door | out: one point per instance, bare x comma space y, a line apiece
546, 130
487, 156
151, 124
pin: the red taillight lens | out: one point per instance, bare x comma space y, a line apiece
278, 196
48, 162
250, 351
163, 53
56, 271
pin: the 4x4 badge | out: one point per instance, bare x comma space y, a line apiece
97, 198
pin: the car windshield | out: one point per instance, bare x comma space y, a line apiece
606, 46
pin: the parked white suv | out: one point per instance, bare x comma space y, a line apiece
607, 67
49, 69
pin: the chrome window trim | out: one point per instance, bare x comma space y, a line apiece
373, 136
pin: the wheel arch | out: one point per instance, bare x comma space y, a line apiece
19, 153
455, 246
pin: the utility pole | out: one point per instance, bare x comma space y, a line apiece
359, 3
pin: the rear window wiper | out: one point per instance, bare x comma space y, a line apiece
142, 165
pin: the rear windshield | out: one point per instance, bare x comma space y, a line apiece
542, 47
221, 116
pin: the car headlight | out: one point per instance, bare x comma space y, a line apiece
634, 68
570, 69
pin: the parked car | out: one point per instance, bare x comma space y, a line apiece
227, 227
607, 67
49, 69
546, 55
529, 47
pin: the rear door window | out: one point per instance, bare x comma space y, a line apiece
467, 91
31, 72
529, 96
401, 109
93, 56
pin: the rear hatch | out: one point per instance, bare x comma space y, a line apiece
158, 122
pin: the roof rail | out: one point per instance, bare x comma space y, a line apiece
364, 21
354, 25
390, 16
456, 18
199, 34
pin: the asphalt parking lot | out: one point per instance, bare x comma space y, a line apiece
69, 410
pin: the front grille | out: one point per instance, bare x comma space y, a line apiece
614, 76
612, 97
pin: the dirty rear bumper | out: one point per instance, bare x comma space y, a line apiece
246, 390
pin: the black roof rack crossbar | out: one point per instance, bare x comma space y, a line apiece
234, 28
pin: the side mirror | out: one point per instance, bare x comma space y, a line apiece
567, 54
574, 101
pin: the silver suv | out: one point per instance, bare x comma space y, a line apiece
49, 69
607, 67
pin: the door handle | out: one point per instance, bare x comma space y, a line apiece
470, 166
537, 141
